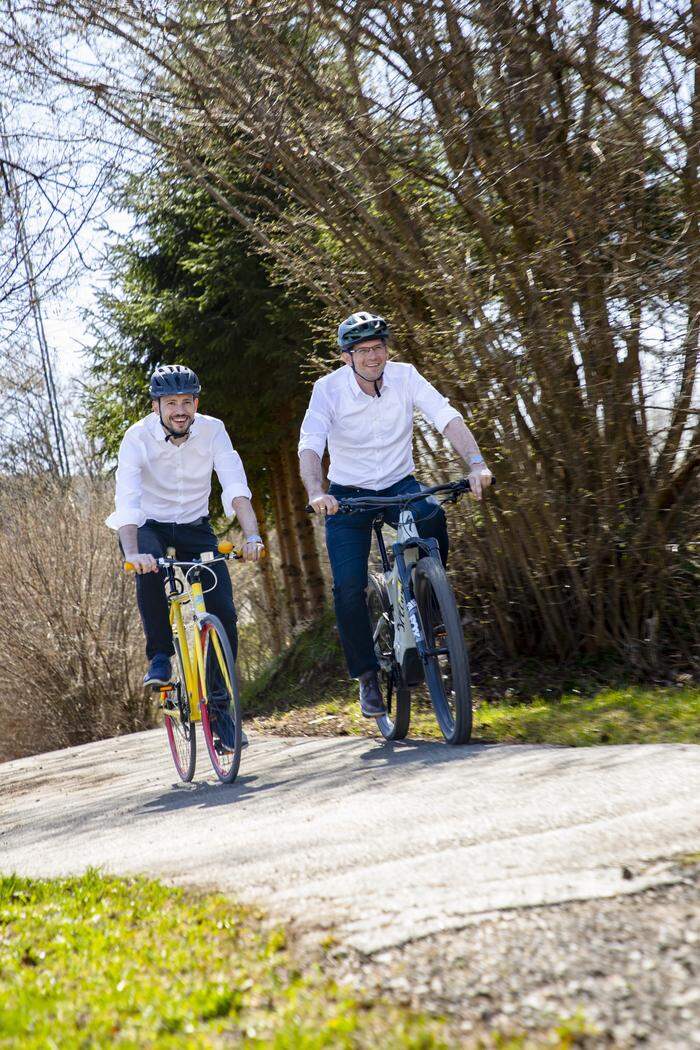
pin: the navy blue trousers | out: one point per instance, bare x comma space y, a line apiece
189, 541
349, 539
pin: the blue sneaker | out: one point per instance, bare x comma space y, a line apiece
158, 672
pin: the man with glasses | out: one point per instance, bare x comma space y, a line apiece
364, 413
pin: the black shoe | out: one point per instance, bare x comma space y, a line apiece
221, 725
223, 749
371, 702
158, 672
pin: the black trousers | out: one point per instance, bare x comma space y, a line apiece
189, 541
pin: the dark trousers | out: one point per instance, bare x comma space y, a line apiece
349, 538
189, 541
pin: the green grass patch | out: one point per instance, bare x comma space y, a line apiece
633, 715
97, 961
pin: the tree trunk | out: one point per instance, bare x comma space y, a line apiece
280, 529
313, 581
269, 583
289, 547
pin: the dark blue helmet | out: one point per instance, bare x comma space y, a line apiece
173, 379
360, 326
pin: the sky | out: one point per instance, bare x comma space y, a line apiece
69, 218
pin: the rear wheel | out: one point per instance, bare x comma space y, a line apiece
447, 666
394, 724
221, 711
179, 727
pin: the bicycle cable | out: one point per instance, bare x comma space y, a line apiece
197, 567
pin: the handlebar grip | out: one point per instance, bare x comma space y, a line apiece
237, 554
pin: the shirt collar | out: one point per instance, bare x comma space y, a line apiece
355, 387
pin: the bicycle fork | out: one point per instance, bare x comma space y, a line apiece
408, 631
408, 636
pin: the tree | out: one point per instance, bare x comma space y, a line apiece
515, 185
188, 288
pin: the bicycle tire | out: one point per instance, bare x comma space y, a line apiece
221, 716
448, 681
395, 723
179, 727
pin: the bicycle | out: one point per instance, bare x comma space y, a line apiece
415, 622
203, 686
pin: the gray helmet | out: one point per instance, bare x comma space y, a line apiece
360, 326
173, 379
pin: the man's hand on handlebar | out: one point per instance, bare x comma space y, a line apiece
324, 504
252, 550
480, 478
142, 563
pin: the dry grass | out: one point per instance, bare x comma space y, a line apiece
71, 645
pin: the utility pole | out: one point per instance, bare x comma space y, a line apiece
8, 175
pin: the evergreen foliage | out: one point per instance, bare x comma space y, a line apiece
189, 287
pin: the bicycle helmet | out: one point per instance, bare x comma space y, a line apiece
173, 379
360, 326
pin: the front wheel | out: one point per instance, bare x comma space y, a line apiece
394, 724
447, 663
178, 724
221, 710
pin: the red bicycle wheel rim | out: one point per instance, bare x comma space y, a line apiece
183, 770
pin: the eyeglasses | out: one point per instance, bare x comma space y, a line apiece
368, 349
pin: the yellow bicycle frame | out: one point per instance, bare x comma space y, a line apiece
193, 661
193, 664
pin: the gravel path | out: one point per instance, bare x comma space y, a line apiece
630, 966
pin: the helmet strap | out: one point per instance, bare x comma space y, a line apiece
375, 381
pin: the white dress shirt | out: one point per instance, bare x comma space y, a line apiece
157, 479
370, 439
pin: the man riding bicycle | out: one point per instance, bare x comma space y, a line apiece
364, 413
162, 500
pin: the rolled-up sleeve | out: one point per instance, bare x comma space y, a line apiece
430, 402
229, 470
127, 496
316, 423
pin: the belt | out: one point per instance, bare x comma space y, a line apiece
204, 520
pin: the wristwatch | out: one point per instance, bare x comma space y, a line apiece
254, 539
475, 458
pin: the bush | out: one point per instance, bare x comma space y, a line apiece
71, 644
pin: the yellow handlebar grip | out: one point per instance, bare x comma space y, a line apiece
129, 566
225, 547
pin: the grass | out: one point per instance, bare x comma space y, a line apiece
633, 715
96, 961
307, 692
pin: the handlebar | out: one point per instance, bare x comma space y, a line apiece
226, 552
454, 489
